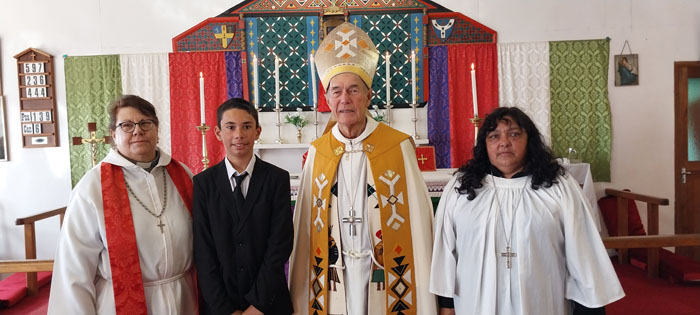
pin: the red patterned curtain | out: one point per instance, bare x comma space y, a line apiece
460, 58
184, 105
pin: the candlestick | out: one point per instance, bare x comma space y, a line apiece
313, 80
255, 81
413, 76
205, 159
388, 78
201, 97
476, 108
277, 82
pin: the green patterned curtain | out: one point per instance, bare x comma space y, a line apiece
580, 107
92, 82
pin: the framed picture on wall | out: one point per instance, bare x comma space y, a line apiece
3, 132
626, 70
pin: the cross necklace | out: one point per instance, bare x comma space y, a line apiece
165, 202
351, 219
508, 254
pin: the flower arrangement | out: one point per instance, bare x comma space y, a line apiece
296, 119
376, 114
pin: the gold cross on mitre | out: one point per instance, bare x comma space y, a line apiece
92, 141
224, 36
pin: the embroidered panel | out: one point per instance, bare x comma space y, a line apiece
457, 30
392, 33
219, 36
275, 6
285, 37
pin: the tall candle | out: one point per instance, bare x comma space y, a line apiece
277, 82
255, 81
313, 79
201, 97
413, 75
476, 108
388, 79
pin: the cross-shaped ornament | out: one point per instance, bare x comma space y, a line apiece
92, 141
508, 255
160, 225
352, 220
422, 159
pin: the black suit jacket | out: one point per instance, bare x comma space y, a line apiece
241, 262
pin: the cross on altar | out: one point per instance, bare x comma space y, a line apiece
508, 255
92, 141
352, 220
422, 159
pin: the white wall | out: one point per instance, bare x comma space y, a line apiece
661, 32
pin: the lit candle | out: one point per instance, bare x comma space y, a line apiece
255, 81
413, 75
201, 97
277, 82
313, 79
476, 108
388, 79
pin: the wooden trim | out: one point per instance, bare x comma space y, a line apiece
637, 197
645, 241
11, 266
41, 216
622, 228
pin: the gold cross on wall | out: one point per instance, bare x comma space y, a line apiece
92, 141
223, 36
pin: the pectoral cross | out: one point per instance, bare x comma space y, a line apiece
160, 225
508, 255
352, 220
92, 141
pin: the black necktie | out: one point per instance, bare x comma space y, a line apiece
238, 193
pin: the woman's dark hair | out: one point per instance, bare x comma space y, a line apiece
236, 103
539, 159
143, 106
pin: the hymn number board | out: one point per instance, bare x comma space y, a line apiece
37, 99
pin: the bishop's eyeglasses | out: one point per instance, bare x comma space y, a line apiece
129, 126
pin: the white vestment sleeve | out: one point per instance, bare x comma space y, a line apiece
443, 270
299, 260
591, 281
78, 255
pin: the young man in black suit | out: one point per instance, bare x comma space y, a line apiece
242, 223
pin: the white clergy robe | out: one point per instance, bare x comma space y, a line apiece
81, 282
559, 253
353, 174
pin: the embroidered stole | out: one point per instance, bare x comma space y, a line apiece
127, 282
388, 175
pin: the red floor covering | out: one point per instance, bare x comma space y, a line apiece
31, 305
653, 296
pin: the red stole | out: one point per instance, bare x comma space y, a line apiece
129, 297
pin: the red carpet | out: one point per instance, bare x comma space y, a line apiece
653, 296
31, 305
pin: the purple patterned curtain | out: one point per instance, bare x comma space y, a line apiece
234, 78
439, 106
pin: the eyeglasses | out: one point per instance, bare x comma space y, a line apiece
145, 125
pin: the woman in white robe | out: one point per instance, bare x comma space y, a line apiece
82, 278
514, 233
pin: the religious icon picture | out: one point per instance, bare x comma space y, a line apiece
626, 70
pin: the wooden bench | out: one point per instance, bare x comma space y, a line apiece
31, 265
652, 241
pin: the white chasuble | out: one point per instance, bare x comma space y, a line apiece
82, 276
555, 250
355, 281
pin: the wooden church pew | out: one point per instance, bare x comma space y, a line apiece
652, 241
31, 265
